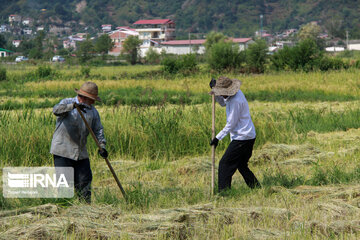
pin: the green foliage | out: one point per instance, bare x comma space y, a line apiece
44, 71
256, 56
320, 176
224, 55
152, 56
131, 48
35, 53
306, 56
170, 65
188, 63
328, 63
303, 56
2, 74
85, 71
104, 44
2, 41
309, 31
185, 64
212, 38
281, 179
86, 50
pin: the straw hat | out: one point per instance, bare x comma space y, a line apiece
226, 86
90, 90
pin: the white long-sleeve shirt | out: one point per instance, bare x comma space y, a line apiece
238, 119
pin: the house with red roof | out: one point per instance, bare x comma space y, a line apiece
14, 18
154, 31
118, 37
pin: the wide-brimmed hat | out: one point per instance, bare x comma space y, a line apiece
90, 90
226, 86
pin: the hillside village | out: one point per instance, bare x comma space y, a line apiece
159, 34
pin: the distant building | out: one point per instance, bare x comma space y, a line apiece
16, 43
69, 44
335, 49
5, 52
27, 21
289, 32
106, 27
72, 41
282, 44
59, 30
153, 32
118, 37
180, 47
14, 18
40, 28
3, 28
354, 45
80, 35
27, 31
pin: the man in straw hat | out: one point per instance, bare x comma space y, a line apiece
242, 133
69, 140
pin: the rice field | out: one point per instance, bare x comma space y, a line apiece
158, 128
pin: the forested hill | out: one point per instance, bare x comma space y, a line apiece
235, 18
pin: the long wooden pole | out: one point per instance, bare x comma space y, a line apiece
213, 147
106, 160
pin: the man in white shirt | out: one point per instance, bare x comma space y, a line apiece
242, 133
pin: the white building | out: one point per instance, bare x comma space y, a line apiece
354, 45
71, 42
106, 27
180, 47
335, 49
27, 21
27, 31
5, 52
16, 43
153, 32
3, 28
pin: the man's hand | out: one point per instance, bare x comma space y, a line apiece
82, 106
214, 142
212, 83
103, 153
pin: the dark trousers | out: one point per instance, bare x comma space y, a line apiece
236, 157
82, 175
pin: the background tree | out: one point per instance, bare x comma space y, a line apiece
86, 50
256, 55
37, 51
2, 41
224, 55
152, 56
311, 31
212, 38
131, 48
335, 27
104, 44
